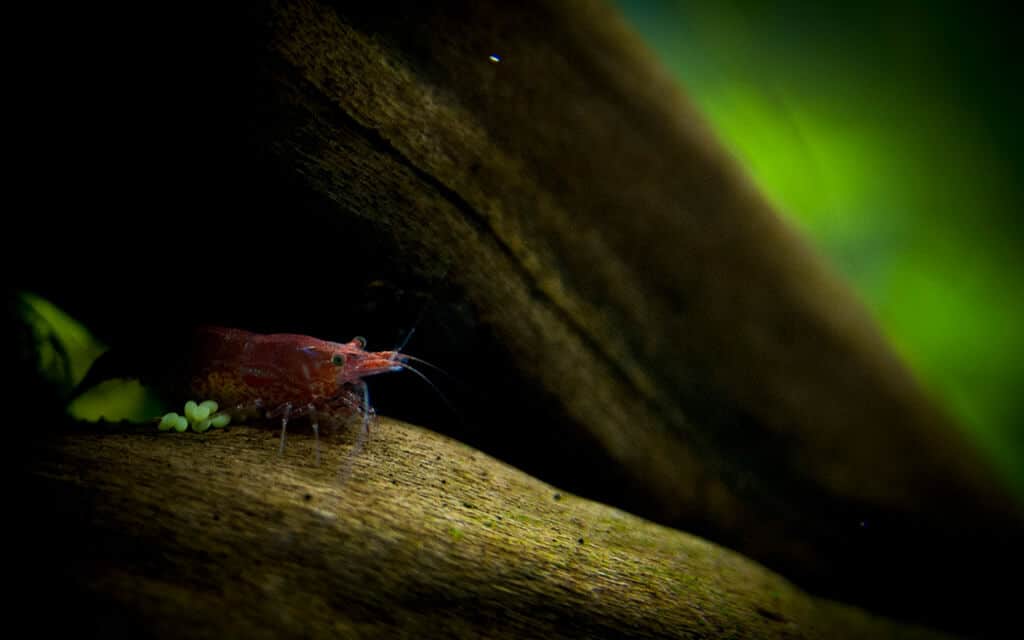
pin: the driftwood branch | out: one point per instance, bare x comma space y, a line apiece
214, 535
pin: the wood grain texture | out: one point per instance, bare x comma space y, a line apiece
214, 536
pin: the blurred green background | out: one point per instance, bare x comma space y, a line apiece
887, 132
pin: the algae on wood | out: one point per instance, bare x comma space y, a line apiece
214, 535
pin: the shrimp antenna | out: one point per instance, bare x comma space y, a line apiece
419, 317
408, 336
444, 399
431, 365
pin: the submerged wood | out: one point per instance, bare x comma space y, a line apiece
630, 318
683, 336
183, 535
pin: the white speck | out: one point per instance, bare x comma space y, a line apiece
305, 372
494, 57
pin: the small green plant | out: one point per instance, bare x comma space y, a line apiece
200, 416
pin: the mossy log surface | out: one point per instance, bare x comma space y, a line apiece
185, 535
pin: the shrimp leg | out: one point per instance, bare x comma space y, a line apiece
311, 409
357, 399
285, 411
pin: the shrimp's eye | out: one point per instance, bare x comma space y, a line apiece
337, 359
360, 340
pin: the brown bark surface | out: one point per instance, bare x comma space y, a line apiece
184, 535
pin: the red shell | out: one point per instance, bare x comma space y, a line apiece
236, 367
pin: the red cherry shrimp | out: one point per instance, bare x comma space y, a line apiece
289, 376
